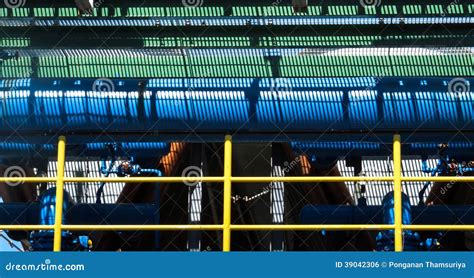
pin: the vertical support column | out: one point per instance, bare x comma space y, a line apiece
397, 190
227, 192
58, 215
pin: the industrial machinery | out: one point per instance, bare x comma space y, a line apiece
284, 125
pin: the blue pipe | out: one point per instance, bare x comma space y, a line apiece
43, 240
245, 105
48, 205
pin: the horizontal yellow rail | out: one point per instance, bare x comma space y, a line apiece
142, 227
439, 227
269, 227
26, 227
239, 179
306, 179
329, 227
227, 180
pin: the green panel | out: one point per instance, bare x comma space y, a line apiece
307, 63
389, 10
342, 10
455, 9
370, 10
14, 42
255, 11
435, 9
412, 10
20, 12
43, 12
67, 12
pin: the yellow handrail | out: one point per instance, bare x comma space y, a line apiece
397, 189
58, 214
227, 227
227, 193
237, 179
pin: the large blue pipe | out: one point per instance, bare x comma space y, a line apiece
312, 105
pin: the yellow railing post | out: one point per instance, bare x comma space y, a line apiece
227, 179
227, 192
397, 191
58, 215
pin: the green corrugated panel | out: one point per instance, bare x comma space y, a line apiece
185, 11
140, 71
160, 11
246, 66
345, 10
352, 10
78, 70
3, 12
62, 12
20, 12
236, 11
314, 10
434, 9
66, 72
43, 12
145, 70
71, 12
412, 9
267, 11
131, 12
455, 9
333, 10
389, 9
85, 71
170, 11
14, 42
370, 10
105, 11
251, 11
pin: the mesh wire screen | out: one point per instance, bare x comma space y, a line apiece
86, 192
371, 166
375, 191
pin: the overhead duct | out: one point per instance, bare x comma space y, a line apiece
206, 106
